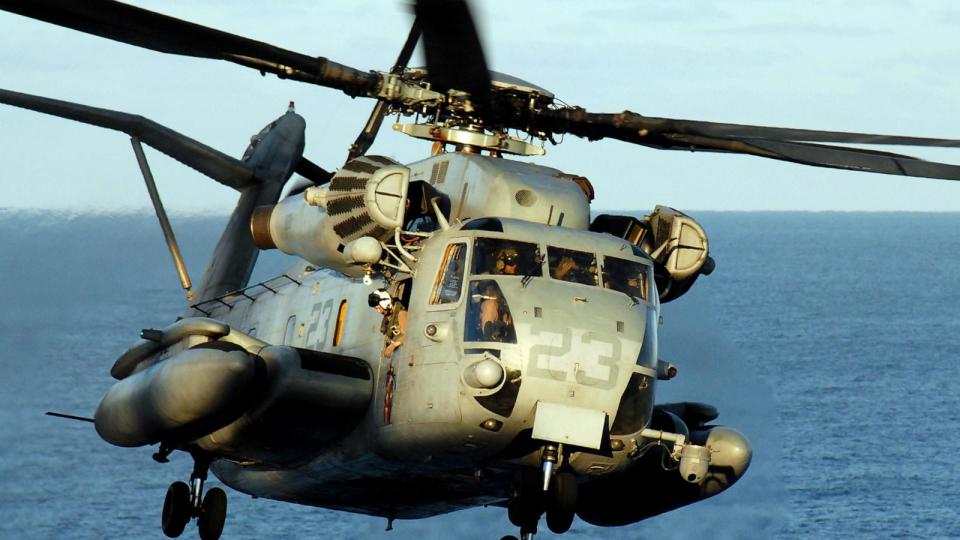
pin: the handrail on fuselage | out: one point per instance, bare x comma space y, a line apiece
244, 292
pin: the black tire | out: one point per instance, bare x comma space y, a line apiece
176, 509
514, 512
525, 505
562, 502
213, 513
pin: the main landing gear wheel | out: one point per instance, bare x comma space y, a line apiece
562, 502
213, 513
176, 509
526, 504
185, 502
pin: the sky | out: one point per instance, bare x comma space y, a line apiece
872, 66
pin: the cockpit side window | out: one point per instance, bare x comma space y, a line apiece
449, 282
506, 257
573, 266
628, 277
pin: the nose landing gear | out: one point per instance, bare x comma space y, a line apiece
184, 503
530, 501
561, 502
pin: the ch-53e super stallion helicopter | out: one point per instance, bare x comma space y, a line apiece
458, 331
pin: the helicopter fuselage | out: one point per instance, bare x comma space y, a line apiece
573, 344
517, 339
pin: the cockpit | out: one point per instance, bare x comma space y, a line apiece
497, 256
492, 271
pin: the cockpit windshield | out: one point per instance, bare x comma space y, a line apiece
505, 257
625, 276
573, 266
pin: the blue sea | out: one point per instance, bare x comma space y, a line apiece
832, 340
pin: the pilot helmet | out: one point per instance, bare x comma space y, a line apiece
507, 256
380, 297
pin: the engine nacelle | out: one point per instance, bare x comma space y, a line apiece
646, 489
339, 226
675, 241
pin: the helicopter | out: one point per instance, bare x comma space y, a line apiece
538, 476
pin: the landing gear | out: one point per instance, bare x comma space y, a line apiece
525, 504
530, 501
185, 502
562, 502
213, 513
176, 509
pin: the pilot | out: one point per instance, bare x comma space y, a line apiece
613, 280
636, 286
508, 261
394, 325
566, 269
627, 283
495, 321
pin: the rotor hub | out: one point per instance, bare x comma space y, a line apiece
471, 139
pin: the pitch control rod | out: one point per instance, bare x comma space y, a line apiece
162, 217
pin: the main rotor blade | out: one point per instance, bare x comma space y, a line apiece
313, 172
143, 28
403, 58
669, 134
369, 132
453, 51
741, 131
651, 126
819, 155
228, 171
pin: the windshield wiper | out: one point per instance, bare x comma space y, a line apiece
537, 263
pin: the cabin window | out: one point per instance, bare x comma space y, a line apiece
573, 266
449, 282
628, 277
341, 319
506, 257
488, 317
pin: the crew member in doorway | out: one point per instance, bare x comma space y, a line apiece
394, 325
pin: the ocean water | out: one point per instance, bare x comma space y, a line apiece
829, 339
